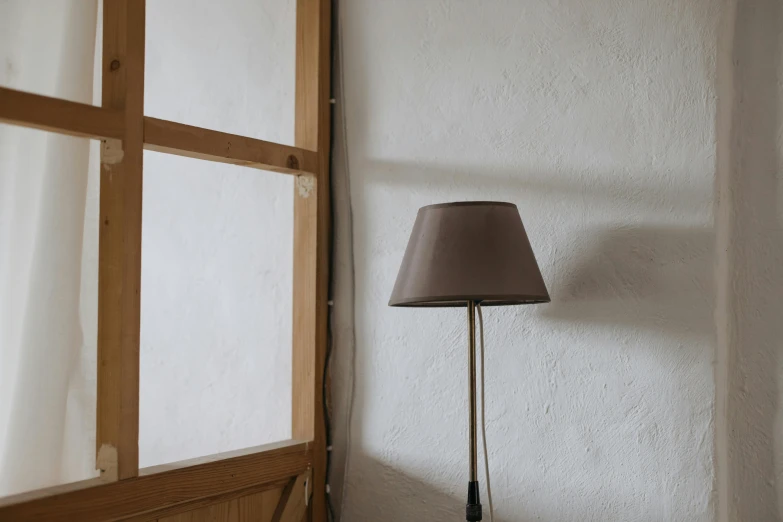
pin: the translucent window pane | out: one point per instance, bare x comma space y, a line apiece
227, 66
48, 308
49, 47
217, 261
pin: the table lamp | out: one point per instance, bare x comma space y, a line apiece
469, 254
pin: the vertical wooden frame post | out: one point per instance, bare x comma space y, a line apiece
311, 237
119, 266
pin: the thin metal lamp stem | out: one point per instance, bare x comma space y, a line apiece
473, 506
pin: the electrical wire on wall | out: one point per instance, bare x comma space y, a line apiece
347, 213
328, 411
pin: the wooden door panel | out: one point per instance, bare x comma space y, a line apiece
293, 501
254, 484
286, 504
258, 507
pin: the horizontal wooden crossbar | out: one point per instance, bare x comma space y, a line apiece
194, 505
56, 115
165, 486
88, 121
196, 142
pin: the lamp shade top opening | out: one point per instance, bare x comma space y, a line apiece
468, 251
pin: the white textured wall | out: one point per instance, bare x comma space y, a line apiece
217, 239
597, 119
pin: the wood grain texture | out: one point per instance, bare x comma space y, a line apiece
251, 509
139, 496
312, 237
119, 251
257, 507
62, 116
285, 496
223, 512
292, 506
194, 505
205, 144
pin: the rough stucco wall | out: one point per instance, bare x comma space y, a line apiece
597, 119
217, 239
750, 277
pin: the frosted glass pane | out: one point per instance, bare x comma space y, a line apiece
48, 47
217, 259
227, 65
48, 308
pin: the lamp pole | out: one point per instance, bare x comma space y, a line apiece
473, 506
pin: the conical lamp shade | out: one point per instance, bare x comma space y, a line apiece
469, 251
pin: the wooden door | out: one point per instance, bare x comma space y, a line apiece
280, 482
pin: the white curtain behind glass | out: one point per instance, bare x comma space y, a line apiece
48, 268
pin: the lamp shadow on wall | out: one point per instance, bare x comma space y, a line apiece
651, 277
412, 498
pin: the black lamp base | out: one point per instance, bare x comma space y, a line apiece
473, 507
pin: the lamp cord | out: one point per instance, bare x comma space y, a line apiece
483, 415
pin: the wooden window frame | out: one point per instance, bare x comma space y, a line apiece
123, 491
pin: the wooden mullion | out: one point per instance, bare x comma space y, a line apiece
119, 266
195, 142
311, 237
56, 115
78, 119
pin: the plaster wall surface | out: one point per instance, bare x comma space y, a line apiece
598, 120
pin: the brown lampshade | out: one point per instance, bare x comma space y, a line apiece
468, 251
